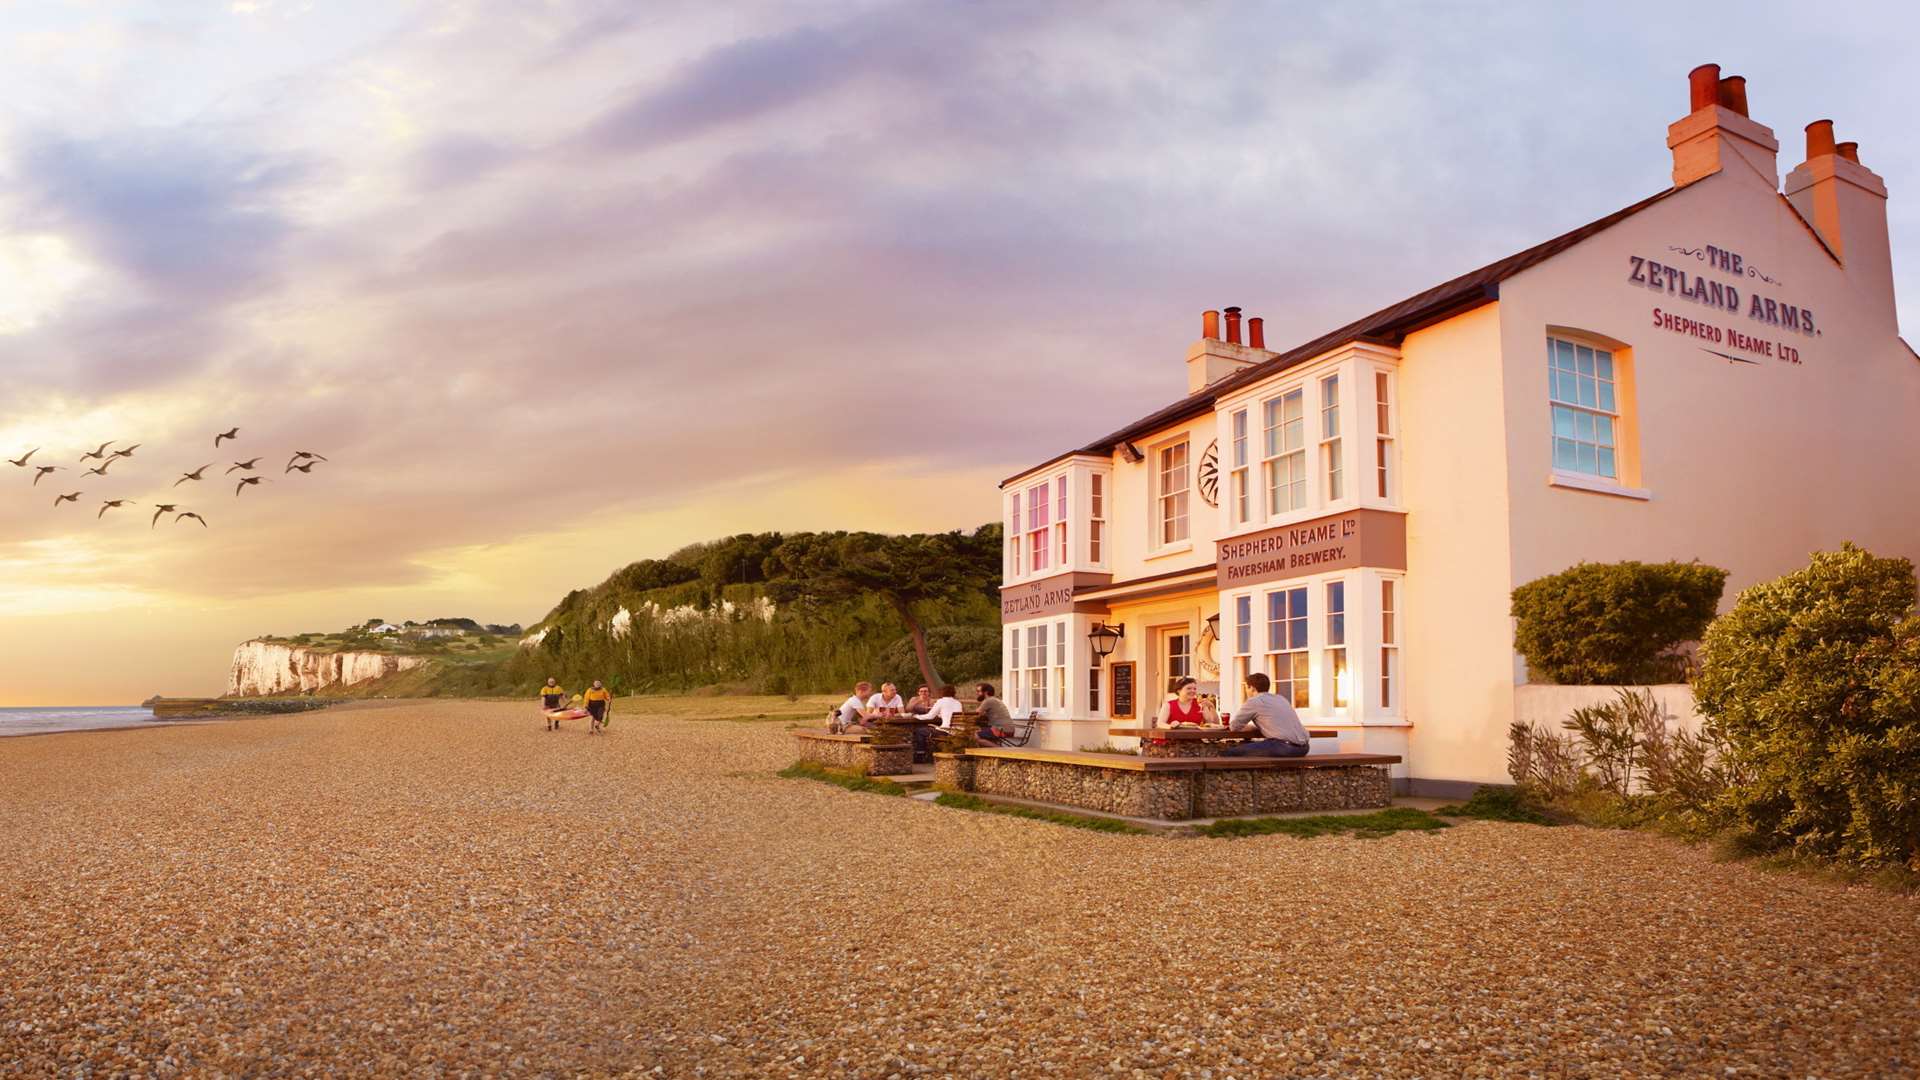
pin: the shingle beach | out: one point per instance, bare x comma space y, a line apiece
445, 889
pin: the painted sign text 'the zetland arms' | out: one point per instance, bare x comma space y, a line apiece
1678, 281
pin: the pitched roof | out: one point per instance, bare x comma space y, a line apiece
1386, 326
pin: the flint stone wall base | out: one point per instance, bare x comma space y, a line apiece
889, 759
1169, 795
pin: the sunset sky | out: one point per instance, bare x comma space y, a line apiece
557, 286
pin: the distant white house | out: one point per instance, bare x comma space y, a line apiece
384, 628
433, 631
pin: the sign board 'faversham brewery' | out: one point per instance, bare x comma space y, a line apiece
1375, 538
1766, 310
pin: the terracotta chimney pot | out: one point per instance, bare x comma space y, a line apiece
1233, 325
1733, 93
1703, 84
1257, 333
1819, 139
1210, 325
1848, 150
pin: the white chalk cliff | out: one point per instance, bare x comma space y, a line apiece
264, 667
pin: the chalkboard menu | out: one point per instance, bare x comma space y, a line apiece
1121, 690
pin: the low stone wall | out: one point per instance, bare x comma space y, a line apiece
1115, 791
1170, 794
847, 752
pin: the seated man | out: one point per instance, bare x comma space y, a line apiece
887, 702
942, 712
849, 718
921, 703
1280, 727
994, 720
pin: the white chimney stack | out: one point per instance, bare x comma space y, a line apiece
1846, 203
1718, 135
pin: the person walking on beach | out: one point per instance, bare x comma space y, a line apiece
551, 699
599, 704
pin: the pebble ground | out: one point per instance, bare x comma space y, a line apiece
445, 889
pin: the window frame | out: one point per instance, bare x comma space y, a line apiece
1276, 450
1332, 444
1568, 392
1166, 499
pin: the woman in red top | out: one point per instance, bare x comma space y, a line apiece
1186, 707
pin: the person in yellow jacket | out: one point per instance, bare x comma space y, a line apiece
552, 698
599, 705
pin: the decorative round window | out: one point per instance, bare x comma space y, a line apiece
1208, 477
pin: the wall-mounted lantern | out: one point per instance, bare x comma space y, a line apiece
1104, 638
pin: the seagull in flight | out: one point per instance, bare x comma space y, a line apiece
307, 456
101, 469
160, 509
194, 516
128, 452
108, 505
305, 467
100, 453
244, 481
233, 434
247, 465
75, 497
194, 475
22, 460
42, 470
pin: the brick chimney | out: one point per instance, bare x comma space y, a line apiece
1212, 358
1717, 135
1846, 203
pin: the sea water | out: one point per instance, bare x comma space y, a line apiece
38, 721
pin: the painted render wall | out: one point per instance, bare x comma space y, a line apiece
1133, 515
1750, 466
1456, 659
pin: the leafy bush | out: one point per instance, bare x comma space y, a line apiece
1601, 623
1813, 681
1492, 802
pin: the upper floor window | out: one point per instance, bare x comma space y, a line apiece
1060, 519
1286, 454
1330, 435
1238, 487
1096, 516
1580, 387
1038, 508
1015, 539
1383, 434
1174, 482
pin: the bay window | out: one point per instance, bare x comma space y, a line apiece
1060, 519
1038, 507
1330, 435
1383, 438
1285, 461
1287, 661
1238, 487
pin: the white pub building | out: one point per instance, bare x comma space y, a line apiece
1714, 372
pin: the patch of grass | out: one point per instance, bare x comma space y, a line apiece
1108, 748
1057, 817
846, 778
1363, 826
1492, 803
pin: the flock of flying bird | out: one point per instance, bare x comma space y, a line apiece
302, 461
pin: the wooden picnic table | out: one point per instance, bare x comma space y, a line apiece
1196, 741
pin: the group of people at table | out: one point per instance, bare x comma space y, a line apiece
1281, 734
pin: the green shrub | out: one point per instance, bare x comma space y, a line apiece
1614, 623
1492, 802
959, 653
1813, 681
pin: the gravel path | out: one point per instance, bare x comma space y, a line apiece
446, 889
